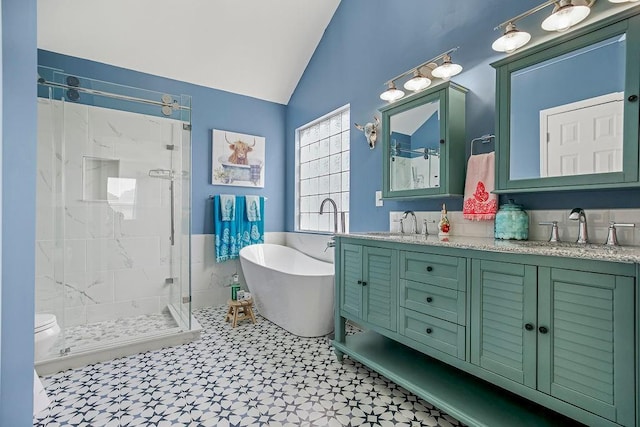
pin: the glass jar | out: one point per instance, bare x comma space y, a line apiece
511, 222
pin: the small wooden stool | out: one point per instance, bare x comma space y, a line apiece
240, 310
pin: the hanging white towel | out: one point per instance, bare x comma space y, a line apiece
479, 202
228, 207
253, 208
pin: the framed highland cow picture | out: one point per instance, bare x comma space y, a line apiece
237, 159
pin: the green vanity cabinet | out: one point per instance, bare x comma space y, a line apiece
466, 328
369, 285
566, 333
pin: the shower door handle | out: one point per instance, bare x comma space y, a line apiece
172, 236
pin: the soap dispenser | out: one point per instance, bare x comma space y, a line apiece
444, 226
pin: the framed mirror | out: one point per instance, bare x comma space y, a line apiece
567, 115
417, 138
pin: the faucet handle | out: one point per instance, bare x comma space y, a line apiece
612, 236
554, 237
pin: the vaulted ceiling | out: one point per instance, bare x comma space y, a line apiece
256, 48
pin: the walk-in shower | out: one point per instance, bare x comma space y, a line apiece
112, 240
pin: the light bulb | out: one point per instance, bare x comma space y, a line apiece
447, 69
565, 17
511, 40
417, 82
392, 93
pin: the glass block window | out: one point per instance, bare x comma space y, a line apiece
322, 171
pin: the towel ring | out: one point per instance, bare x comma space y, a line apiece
484, 139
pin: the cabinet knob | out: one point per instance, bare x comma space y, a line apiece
429, 330
359, 282
633, 98
543, 329
429, 299
529, 327
429, 268
364, 283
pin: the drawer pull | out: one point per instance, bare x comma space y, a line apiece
543, 329
429, 268
429, 299
529, 327
429, 330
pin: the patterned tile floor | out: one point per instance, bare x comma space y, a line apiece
81, 337
253, 375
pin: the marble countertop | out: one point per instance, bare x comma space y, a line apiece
624, 254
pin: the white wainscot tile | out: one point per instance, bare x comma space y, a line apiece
198, 242
142, 283
89, 221
203, 249
146, 222
210, 298
102, 312
95, 287
117, 254
44, 258
215, 275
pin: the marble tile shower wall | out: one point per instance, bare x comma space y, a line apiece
597, 221
117, 252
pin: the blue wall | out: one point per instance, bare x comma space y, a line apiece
374, 40
211, 109
18, 211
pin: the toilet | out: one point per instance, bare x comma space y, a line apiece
46, 332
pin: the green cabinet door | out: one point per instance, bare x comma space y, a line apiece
368, 284
350, 280
503, 319
380, 287
586, 341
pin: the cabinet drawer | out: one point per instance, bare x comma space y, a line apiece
442, 335
445, 271
443, 303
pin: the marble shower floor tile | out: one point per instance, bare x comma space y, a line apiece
111, 331
253, 375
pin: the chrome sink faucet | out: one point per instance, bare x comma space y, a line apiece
579, 214
415, 221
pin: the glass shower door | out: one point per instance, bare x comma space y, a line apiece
121, 208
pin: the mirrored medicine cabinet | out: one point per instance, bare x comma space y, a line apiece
423, 144
568, 111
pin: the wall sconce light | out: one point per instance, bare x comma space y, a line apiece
566, 13
422, 76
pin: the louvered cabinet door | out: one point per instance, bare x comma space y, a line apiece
586, 349
381, 287
503, 319
351, 280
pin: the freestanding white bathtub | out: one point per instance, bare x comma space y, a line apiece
289, 288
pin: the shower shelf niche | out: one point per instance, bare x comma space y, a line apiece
96, 172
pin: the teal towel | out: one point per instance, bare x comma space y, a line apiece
228, 207
253, 208
233, 235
